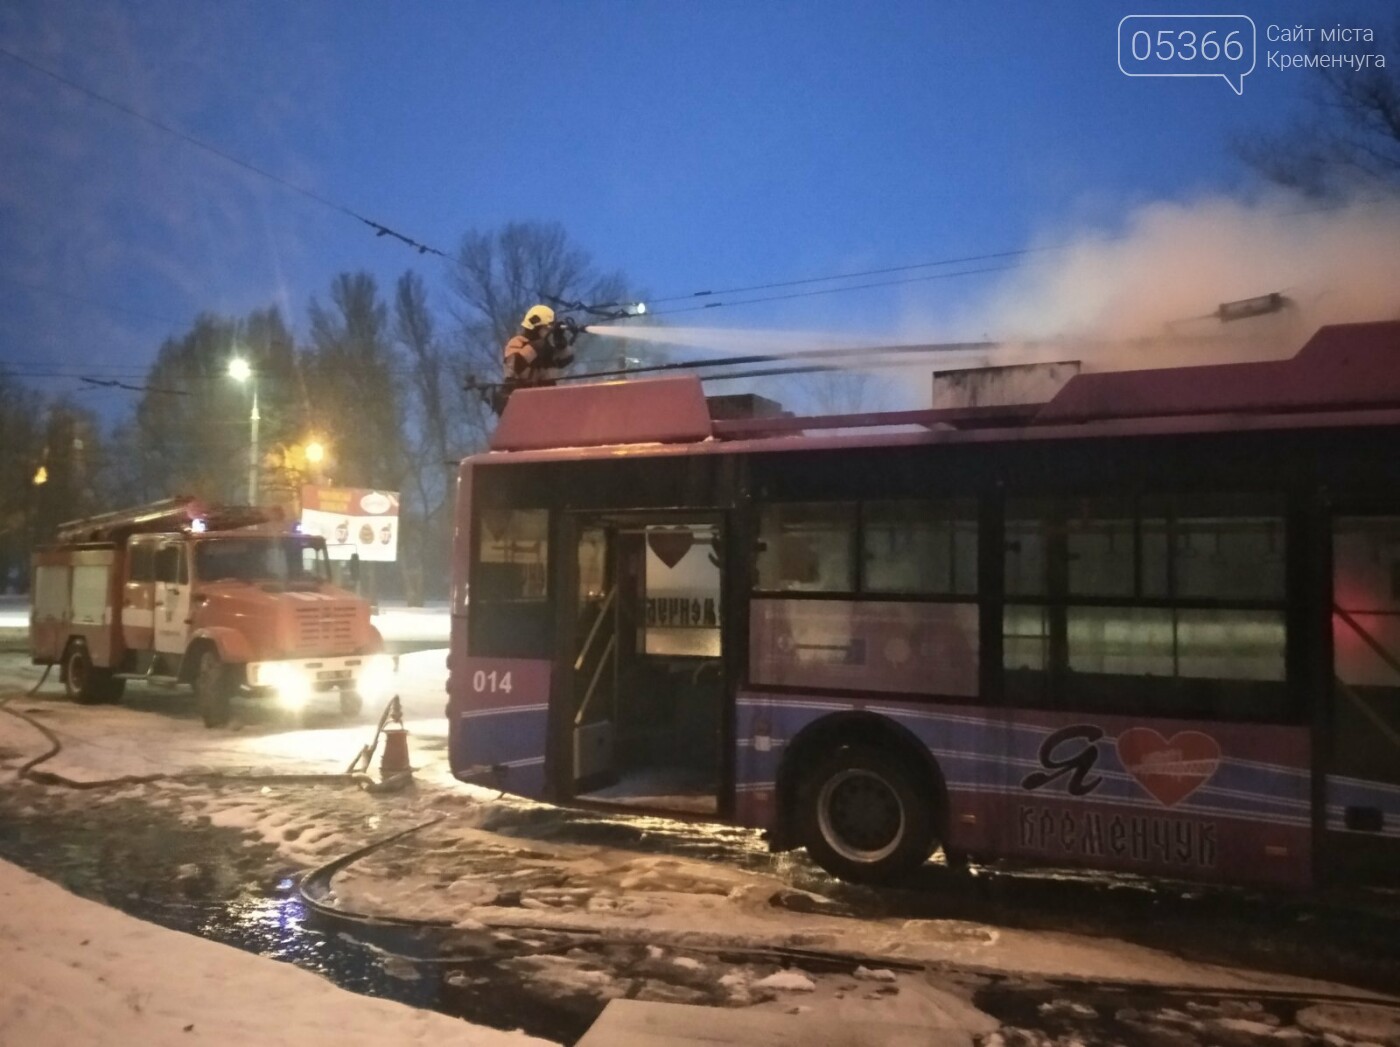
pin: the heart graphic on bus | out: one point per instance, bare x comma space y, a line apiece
1170, 769
670, 545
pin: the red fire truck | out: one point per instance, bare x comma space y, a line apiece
227, 599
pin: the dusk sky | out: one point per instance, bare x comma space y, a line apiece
695, 146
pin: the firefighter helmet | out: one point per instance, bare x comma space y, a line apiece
538, 316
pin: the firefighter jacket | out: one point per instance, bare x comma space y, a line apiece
538, 360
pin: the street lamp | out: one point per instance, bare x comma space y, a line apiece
241, 371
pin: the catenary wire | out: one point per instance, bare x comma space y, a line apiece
837, 290
424, 248
379, 228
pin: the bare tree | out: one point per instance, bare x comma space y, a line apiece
21, 454
1348, 138
499, 275
435, 435
843, 392
190, 433
353, 383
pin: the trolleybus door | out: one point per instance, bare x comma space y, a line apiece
647, 663
595, 661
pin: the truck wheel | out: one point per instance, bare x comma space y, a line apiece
351, 703
80, 677
866, 816
213, 688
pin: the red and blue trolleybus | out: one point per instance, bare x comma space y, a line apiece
1151, 624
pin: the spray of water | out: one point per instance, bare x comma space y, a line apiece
732, 340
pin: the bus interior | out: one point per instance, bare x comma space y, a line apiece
647, 664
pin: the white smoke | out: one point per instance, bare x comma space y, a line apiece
1146, 296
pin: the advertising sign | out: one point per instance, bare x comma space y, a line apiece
353, 520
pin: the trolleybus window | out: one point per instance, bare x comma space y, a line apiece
915, 547
514, 550
1173, 608
509, 612
807, 548
887, 641
1366, 645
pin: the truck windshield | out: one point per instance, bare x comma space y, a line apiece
275, 559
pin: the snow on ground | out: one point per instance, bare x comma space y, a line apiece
396, 622
459, 872
79, 973
453, 872
157, 730
647, 926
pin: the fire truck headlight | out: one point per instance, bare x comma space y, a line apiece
291, 685
377, 680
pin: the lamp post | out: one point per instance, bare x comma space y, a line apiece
241, 371
315, 454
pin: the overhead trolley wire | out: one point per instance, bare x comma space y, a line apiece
836, 290
864, 272
94, 302
379, 228
1016, 253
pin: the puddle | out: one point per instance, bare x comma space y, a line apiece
208, 882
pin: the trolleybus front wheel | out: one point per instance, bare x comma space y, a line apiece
865, 817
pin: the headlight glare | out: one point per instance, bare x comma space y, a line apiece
291, 685
377, 681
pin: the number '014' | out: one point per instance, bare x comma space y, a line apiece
491, 681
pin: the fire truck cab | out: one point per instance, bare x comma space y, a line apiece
229, 600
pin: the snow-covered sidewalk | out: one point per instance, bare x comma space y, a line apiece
76, 972
158, 732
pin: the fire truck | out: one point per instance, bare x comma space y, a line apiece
230, 600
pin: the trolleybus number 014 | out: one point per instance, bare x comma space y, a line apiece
492, 681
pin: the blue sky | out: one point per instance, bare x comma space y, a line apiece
692, 145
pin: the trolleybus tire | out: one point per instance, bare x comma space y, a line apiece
213, 688
351, 703
80, 676
866, 816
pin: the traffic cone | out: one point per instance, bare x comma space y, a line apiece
395, 759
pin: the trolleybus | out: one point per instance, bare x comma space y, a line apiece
1150, 624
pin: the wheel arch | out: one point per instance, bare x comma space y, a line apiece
189, 664
844, 730
231, 646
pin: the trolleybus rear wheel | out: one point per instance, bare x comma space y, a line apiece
865, 816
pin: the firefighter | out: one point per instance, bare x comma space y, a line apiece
536, 356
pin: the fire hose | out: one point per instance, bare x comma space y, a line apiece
315, 889
394, 766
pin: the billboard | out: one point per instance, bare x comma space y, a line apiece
353, 520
